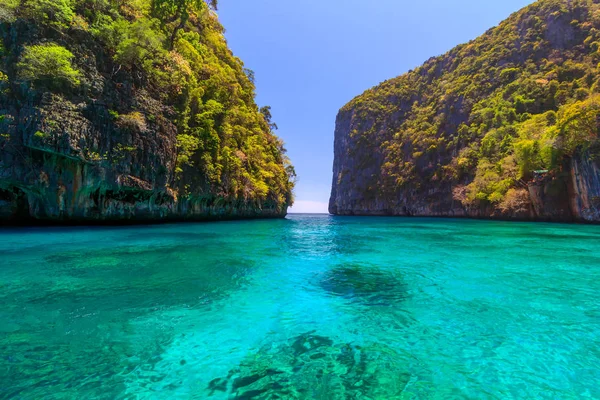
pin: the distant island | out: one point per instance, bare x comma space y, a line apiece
131, 111
505, 126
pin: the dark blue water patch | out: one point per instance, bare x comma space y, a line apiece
200, 281
363, 284
83, 256
185, 236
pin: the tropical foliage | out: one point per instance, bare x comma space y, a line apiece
175, 50
48, 63
485, 116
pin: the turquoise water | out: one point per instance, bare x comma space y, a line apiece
312, 307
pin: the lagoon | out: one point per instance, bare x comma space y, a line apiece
310, 307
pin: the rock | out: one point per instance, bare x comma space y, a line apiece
412, 145
68, 156
317, 367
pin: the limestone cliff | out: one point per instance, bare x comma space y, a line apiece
118, 112
505, 127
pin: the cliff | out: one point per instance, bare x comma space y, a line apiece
505, 126
130, 111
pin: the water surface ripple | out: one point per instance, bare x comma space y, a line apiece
311, 307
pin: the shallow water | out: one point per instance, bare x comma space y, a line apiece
312, 307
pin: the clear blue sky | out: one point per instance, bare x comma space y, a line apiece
311, 57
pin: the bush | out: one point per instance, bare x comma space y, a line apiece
48, 64
114, 115
41, 135
55, 13
489, 184
187, 145
516, 201
527, 154
7, 10
509, 74
578, 124
138, 43
134, 121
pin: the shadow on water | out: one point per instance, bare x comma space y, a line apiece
187, 236
98, 315
363, 284
311, 366
136, 277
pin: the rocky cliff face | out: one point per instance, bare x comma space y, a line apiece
573, 196
503, 127
120, 148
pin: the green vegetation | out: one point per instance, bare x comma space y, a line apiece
175, 51
55, 13
7, 10
49, 64
41, 135
133, 121
483, 117
114, 115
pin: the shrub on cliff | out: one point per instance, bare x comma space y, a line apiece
134, 121
7, 10
578, 124
56, 13
138, 43
48, 64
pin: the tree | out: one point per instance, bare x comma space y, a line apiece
170, 11
49, 64
266, 112
138, 42
55, 13
250, 74
579, 124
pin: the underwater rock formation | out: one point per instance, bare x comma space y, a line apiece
316, 367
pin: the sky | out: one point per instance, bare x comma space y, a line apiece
311, 57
